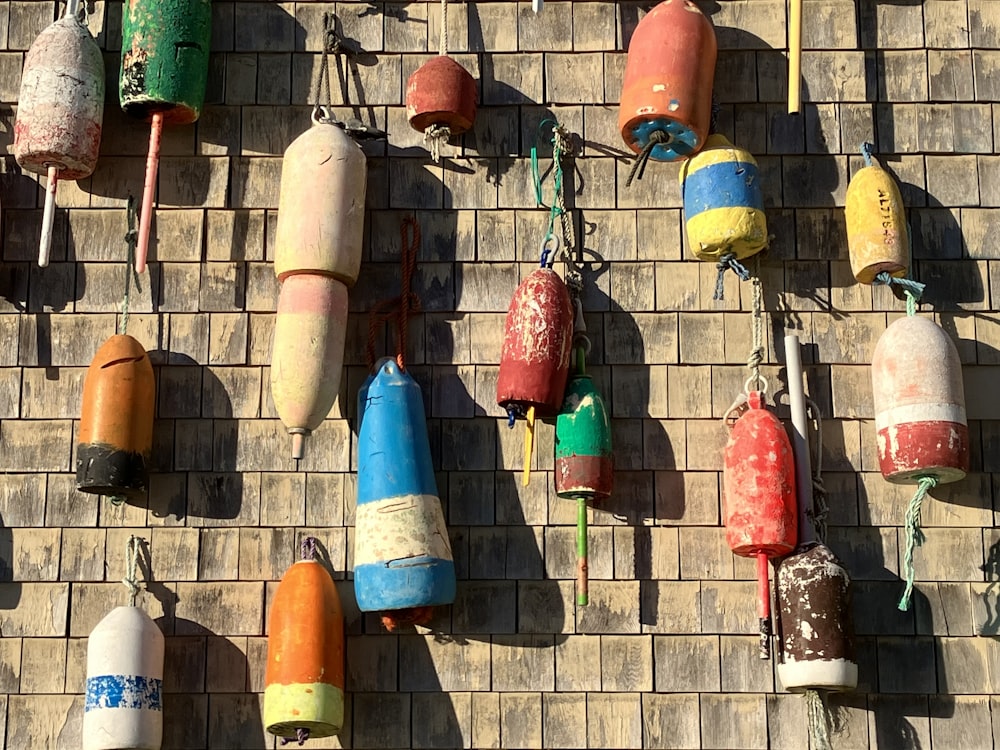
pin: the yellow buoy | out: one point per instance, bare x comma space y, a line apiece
877, 236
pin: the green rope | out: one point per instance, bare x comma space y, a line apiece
914, 536
556, 209
819, 723
911, 303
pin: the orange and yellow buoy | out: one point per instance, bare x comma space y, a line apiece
304, 681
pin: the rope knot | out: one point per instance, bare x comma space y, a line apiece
639, 165
436, 136
301, 735
728, 261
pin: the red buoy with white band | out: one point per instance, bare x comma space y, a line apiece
759, 497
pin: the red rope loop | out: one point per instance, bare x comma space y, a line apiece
402, 306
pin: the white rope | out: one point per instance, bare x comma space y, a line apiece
757, 323
435, 136
131, 562
443, 47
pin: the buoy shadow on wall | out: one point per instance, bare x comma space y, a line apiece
196, 449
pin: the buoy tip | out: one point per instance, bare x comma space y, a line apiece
298, 444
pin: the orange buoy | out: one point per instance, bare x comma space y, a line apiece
115, 437
321, 205
304, 680
308, 352
666, 102
759, 497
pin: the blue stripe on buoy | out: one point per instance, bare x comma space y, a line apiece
123, 691
400, 584
728, 184
394, 454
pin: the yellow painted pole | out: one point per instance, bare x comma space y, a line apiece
794, 57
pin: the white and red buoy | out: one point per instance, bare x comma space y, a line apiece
920, 422
919, 400
60, 110
321, 211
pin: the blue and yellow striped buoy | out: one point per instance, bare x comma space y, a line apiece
723, 202
402, 556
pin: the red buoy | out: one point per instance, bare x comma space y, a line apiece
441, 93
538, 334
759, 497
666, 101
919, 404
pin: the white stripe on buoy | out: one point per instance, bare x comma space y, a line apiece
910, 413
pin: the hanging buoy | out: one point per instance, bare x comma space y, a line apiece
815, 633
164, 69
115, 436
815, 624
123, 704
304, 681
584, 463
759, 493
538, 334
919, 401
321, 205
60, 109
666, 102
920, 424
402, 555
441, 96
723, 202
308, 352
877, 235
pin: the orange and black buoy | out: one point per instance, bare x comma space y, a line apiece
115, 436
534, 362
666, 102
304, 681
759, 498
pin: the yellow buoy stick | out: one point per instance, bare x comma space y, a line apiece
529, 445
794, 57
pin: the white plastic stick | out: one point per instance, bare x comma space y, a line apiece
800, 438
45, 243
536, 5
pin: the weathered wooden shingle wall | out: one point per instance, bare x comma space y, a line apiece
665, 656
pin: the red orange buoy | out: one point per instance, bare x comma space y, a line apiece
304, 681
666, 101
759, 497
115, 436
443, 93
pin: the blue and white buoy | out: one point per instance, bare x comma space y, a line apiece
402, 555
